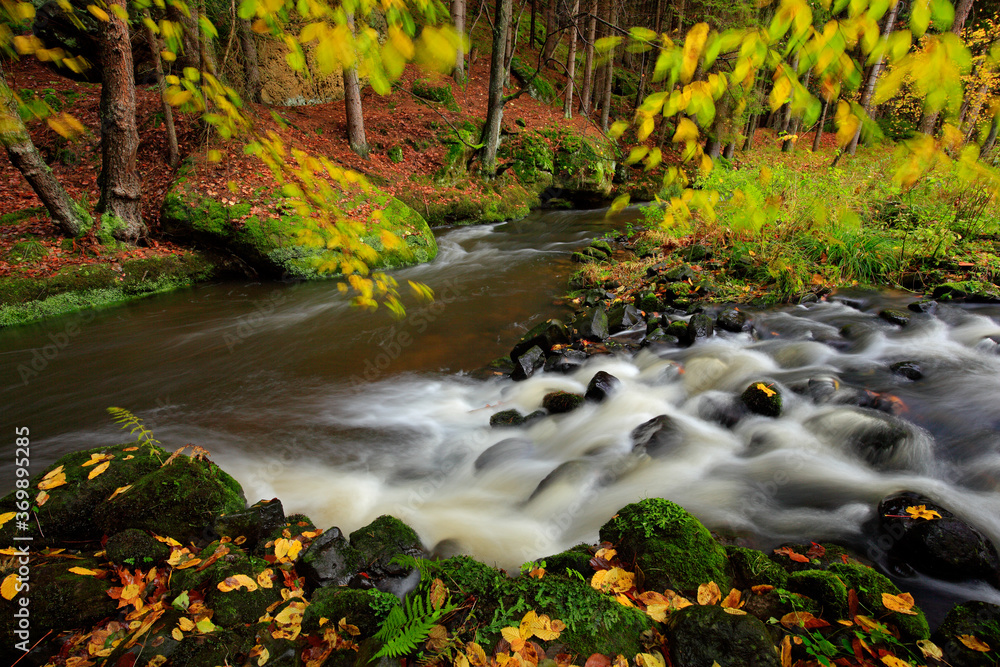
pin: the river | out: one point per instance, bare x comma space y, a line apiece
346, 414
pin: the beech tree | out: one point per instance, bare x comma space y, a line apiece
498, 74
352, 103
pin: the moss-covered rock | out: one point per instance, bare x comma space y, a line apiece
977, 619
559, 402
764, 398
506, 418
135, 548
575, 559
824, 587
669, 545
366, 609
440, 93
68, 513
383, 539
289, 245
254, 524
967, 290
181, 500
531, 158
753, 568
583, 165
869, 586
700, 636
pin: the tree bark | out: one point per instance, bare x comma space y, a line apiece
121, 188
571, 62
976, 103
610, 73
531, 31
352, 103
251, 62
173, 153
552, 32
494, 110
588, 66
819, 128
876, 69
991, 138
23, 154
458, 17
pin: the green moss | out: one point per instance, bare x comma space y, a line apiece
751, 568
134, 548
384, 538
869, 586
532, 158
576, 559
68, 513
822, 586
595, 623
366, 609
15, 217
180, 500
396, 154
669, 545
74, 288
441, 94
762, 398
28, 250
972, 290
581, 163
240, 606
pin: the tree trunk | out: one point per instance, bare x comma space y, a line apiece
788, 145
876, 69
929, 120
976, 103
751, 131
552, 32
173, 153
508, 50
531, 32
23, 154
189, 55
494, 108
991, 138
610, 74
458, 17
251, 63
819, 128
352, 102
729, 150
588, 66
121, 188
571, 62
680, 17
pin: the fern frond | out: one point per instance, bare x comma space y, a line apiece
127, 420
404, 630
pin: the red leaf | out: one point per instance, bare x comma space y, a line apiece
795, 556
852, 603
598, 660
816, 550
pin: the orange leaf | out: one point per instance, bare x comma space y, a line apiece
732, 600
902, 603
921, 512
971, 642
791, 553
797, 619
709, 594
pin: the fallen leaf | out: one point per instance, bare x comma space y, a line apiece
185, 624
205, 626
97, 458
120, 489
85, 571
236, 582
902, 603
55, 478
177, 634
921, 512
98, 470
760, 386
893, 661
8, 589
709, 594
930, 649
971, 642
732, 600
6, 516
791, 553
41, 498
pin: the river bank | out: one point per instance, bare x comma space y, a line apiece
137, 552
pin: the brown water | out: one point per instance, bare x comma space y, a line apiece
346, 415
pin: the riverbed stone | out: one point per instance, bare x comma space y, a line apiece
182, 500
895, 316
763, 398
382, 540
526, 363
973, 618
753, 568
967, 290
882, 440
329, 561
698, 327
592, 324
365, 610
947, 548
732, 320
544, 335
565, 361
506, 418
869, 585
559, 402
908, 369
659, 437
703, 636
669, 545
601, 386
253, 524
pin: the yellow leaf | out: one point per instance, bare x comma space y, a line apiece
615, 580
98, 12
185, 624
732, 600
237, 581
52, 482
930, 649
120, 489
84, 571
767, 390
686, 131
98, 470
264, 579
10, 586
649, 660
510, 634
921, 512
709, 594
177, 634
971, 642
902, 603
893, 661
693, 45
97, 458
205, 626
41, 498
6, 516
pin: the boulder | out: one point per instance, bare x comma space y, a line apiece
973, 619
592, 324
287, 245
601, 386
364, 609
566, 361
134, 548
945, 547
703, 636
732, 320
254, 524
895, 316
699, 326
669, 545
329, 561
506, 418
763, 398
526, 363
546, 335
660, 436
908, 369
558, 402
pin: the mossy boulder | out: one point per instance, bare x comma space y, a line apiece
506, 418
702, 636
531, 158
68, 513
752, 568
763, 398
967, 290
575, 559
824, 587
135, 548
559, 402
435, 92
668, 544
254, 524
288, 245
595, 622
583, 165
869, 585
366, 609
181, 500
978, 619
59, 599
383, 539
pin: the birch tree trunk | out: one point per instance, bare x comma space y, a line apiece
458, 17
571, 62
588, 66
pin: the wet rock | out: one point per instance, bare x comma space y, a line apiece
809, 297
678, 330
566, 361
946, 548
581, 258
603, 247
658, 335
255, 523
381, 541
329, 560
674, 291
923, 306
763, 398
856, 330
576, 559
725, 411
601, 386
634, 335
559, 402
505, 450
895, 316
977, 619
696, 252
527, 363
671, 547
699, 326
656, 269
732, 320
968, 290
880, 439
593, 324
649, 302
135, 549
366, 609
752, 568
624, 316
702, 636
506, 418
908, 369
545, 335
660, 436
571, 474
680, 273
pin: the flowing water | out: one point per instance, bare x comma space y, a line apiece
346, 415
